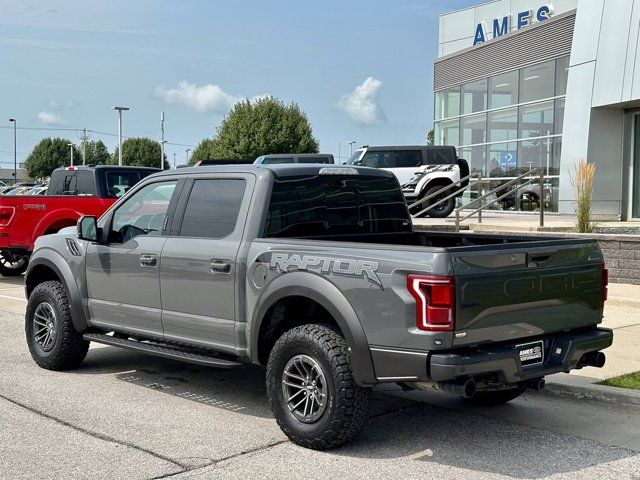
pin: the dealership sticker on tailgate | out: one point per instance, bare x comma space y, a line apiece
531, 353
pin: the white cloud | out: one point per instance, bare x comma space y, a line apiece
361, 104
202, 98
49, 118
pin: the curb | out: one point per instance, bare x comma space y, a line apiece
584, 388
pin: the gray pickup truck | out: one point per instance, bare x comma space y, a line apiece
315, 272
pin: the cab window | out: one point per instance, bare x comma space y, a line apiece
143, 214
408, 158
379, 159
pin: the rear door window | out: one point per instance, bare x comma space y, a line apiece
84, 185
212, 208
408, 158
441, 156
379, 159
117, 183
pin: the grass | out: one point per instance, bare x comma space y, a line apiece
582, 180
631, 380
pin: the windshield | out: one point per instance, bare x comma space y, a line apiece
303, 206
355, 156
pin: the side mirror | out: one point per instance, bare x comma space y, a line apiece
88, 228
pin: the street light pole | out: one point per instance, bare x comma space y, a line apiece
351, 147
187, 150
15, 155
71, 145
120, 110
162, 142
174, 160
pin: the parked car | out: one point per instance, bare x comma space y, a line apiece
294, 158
5, 190
421, 170
315, 271
39, 190
72, 192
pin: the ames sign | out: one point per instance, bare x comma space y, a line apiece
502, 26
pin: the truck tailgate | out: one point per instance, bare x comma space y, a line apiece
505, 292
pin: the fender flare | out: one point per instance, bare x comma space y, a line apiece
55, 262
320, 290
45, 222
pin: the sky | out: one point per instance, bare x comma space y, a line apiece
361, 70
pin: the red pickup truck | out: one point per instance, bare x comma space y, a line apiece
72, 193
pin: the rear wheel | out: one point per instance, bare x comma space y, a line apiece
311, 388
445, 208
498, 397
12, 264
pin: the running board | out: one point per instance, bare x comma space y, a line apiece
161, 351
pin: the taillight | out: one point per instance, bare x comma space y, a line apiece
435, 301
604, 282
6, 214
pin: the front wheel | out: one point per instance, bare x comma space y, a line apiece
311, 388
53, 341
12, 264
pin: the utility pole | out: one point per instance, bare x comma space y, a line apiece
187, 150
15, 155
85, 139
71, 145
161, 140
174, 160
120, 110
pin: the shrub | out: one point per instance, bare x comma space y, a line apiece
582, 181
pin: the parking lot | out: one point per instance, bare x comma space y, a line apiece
126, 415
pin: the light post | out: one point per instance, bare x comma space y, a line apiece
351, 147
187, 150
162, 154
15, 156
174, 160
120, 110
71, 145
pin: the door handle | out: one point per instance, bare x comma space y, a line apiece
148, 260
220, 266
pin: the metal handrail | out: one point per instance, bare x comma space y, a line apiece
444, 189
497, 199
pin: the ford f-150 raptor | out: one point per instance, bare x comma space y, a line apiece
315, 272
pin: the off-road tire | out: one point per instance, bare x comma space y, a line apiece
347, 404
444, 209
492, 399
8, 268
69, 348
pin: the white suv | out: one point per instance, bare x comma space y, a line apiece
421, 171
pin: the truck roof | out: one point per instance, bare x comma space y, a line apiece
279, 170
110, 167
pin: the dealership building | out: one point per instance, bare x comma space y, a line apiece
532, 84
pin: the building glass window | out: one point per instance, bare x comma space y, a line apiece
554, 167
448, 103
503, 90
476, 157
503, 160
449, 133
474, 129
474, 96
535, 154
536, 120
503, 125
559, 115
562, 71
537, 82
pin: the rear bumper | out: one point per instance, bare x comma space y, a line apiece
561, 353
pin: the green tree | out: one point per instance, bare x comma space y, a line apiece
263, 126
141, 151
430, 137
96, 152
48, 155
205, 150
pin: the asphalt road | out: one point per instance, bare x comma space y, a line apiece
126, 415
